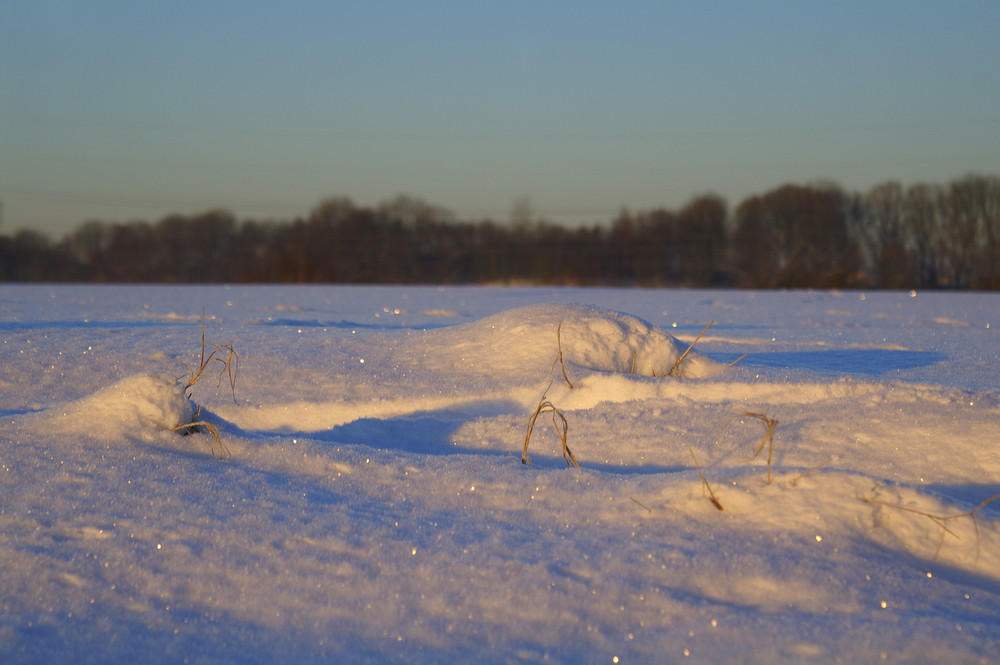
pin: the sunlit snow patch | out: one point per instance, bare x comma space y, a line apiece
501, 359
591, 338
137, 406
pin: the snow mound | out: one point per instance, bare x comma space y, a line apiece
591, 338
377, 510
136, 406
495, 363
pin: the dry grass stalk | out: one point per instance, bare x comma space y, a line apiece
560, 425
942, 520
224, 355
221, 354
642, 505
705, 487
802, 475
674, 371
562, 365
193, 426
739, 359
768, 438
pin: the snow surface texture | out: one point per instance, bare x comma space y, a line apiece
375, 508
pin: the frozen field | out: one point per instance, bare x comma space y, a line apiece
375, 507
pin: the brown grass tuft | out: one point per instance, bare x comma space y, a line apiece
768, 438
222, 355
560, 425
194, 426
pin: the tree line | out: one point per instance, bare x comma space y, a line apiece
794, 236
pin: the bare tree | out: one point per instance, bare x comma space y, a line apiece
795, 236
701, 238
884, 235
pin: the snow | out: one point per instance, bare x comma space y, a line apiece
375, 507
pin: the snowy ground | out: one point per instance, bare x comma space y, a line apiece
375, 507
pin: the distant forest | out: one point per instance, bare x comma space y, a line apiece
795, 236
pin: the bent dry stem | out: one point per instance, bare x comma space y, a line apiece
769, 425
942, 520
224, 355
192, 427
559, 358
560, 425
705, 487
230, 363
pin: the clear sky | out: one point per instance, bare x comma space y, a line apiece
121, 110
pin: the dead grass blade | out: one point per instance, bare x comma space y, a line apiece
221, 354
560, 425
705, 487
192, 427
942, 520
675, 370
562, 365
739, 359
794, 481
768, 438
642, 505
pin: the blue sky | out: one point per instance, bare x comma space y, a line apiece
131, 110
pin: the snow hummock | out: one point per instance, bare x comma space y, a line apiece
592, 338
142, 406
375, 508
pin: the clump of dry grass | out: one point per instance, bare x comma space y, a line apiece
768, 438
942, 520
196, 425
224, 358
558, 422
221, 355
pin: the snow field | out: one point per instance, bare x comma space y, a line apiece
377, 511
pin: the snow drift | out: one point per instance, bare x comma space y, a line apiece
592, 338
141, 407
375, 508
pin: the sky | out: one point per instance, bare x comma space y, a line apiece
125, 110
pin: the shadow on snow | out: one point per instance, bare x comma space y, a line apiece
869, 362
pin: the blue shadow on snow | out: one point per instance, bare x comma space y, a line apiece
870, 362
